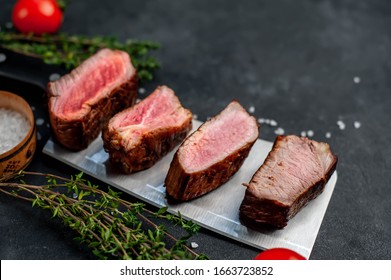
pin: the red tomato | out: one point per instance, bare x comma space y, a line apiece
279, 254
37, 16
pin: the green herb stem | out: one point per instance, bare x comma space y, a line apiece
110, 225
71, 50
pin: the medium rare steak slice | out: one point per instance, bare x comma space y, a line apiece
81, 102
212, 154
139, 136
295, 171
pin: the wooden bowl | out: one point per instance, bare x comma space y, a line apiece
18, 157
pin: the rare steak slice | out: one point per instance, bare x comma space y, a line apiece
295, 171
139, 136
81, 102
212, 154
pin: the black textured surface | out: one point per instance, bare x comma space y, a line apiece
294, 62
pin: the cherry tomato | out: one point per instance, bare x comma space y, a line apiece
279, 254
37, 16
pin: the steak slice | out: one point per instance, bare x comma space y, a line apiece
139, 136
295, 171
81, 102
212, 154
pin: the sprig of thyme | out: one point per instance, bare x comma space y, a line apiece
111, 226
71, 50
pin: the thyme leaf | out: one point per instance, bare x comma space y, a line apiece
71, 50
112, 227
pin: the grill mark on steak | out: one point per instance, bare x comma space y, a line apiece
139, 136
211, 155
81, 102
301, 168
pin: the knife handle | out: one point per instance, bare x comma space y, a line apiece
28, 70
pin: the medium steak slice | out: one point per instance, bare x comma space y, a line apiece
295, 171
139, 136
212, 154
81, 102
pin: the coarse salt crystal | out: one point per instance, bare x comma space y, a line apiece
13, 128
261, 120
310, 133
328, 135
39, 121
279, 131
251, 109
341, 125
195, 116
194, 245
356, 80
3, 57
303, 134
54, 77
273, 123
141, 90
357, 124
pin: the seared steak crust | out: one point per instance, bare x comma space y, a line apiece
211, 155
139, 136
78, 134
81, 102
187, 186
153, 146
266, 204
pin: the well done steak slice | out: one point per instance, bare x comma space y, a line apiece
211, 155
139, 136
295, 172
81, 102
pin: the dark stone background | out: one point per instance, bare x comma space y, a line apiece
295, 62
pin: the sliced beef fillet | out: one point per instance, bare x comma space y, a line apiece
295, 171
211, 155
81, 102
139, 136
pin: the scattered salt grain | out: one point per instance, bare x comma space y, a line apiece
3, 57
310, 133
303, 134
54, 77
39, 136
195, 116
33, 108
194, 245
279, 131
273, 123
13, 128
141, 90
138, 100
328, 135
357, 124
74, 195
341, 125
356, 80
39, 121
251, 109
267, 121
